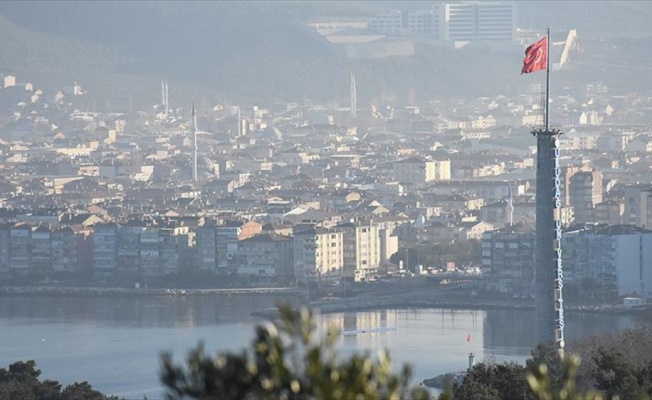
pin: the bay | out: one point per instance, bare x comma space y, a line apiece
114, 343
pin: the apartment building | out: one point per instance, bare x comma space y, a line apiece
361, 250
318, 254
19, 249
128, 248
508, 257
612, 260
638, 206
206, 250
388, 246
150, 259
267, 255
585, 192
610, 212
105, 251
40, 264
71, 251
227, 238
420, 171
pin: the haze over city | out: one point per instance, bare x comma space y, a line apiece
173, 171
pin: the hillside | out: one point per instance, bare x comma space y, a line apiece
247, 51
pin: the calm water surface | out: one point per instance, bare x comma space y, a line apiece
114, 343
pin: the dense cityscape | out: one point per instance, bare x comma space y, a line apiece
357, 206
289, 192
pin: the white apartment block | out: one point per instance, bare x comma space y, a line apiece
417, 170
453, 21
481, 20
318, 254
362, 249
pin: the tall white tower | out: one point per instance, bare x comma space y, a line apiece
194, 143
239, 122
510, 208
354, 97
165, 97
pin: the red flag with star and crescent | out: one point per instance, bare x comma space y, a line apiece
536, 56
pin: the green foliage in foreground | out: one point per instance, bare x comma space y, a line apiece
288, 361
20, 381
543, 385
546, 376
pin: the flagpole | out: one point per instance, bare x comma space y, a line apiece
547, 110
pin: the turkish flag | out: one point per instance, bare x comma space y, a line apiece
536, 56
468, 338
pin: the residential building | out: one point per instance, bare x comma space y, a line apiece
149, 252
472, 230
226, 246
609, 260
267, 255
64, 251
105, 251
206, 250
417, 170
585, 192
638, 206
40, 253
128, 248
497, 213
508, 258
388, 246
361, 256
170, 245
19, 249
609, 212
318, 254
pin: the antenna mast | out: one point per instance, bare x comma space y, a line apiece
354, 96
194, 143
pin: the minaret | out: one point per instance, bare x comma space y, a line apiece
354, 97
163, 93
239, 122
510, 208
167, 100
164, 97
194, 143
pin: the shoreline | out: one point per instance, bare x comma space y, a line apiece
133, 292
407, 301
368, 302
